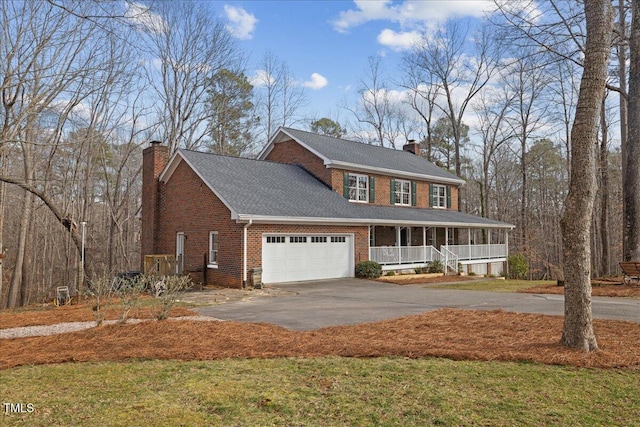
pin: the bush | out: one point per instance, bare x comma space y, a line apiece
435, 267
99, 291
518, 266
390, 273
167, 290
368, 270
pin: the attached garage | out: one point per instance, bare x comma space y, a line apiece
299, 257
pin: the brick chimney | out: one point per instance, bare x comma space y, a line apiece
154, 159
412, 146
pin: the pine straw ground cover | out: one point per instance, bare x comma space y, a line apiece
45, 314
454, 334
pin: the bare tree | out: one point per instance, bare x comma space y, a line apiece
186, 45
444, 57
279, 96
576, 222
423, 91
54, 80
378, 114
492, 114
631, 158
527, 81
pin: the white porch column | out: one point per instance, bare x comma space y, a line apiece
424, 244
399, 244
469, 240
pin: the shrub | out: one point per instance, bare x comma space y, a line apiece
99, 291
129, 290
434, 267
167, 290
390, 273
518, 266
368, 270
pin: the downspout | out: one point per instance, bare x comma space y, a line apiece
244, 252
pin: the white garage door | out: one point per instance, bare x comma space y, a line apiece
291, 258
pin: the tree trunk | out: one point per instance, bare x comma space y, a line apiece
577, 219
631, 177
605, 268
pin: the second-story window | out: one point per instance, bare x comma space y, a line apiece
358, 188
439, 196
403, 192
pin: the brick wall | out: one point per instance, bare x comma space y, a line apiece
154, 159
383, 189
292, 153
189, 206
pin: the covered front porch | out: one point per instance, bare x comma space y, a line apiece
480, 250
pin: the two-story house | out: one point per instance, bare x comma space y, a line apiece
310, 207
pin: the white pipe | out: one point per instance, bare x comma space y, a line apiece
244, 252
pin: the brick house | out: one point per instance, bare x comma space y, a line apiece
310, 207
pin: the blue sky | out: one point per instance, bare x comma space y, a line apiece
326, 43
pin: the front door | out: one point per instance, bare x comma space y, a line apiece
179, 252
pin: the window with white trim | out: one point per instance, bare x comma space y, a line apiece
439, 196
213, 248
358, 188
403, 192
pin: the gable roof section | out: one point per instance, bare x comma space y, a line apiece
342, 153
270, 192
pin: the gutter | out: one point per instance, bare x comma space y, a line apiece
244, 252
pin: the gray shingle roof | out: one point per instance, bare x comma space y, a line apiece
263, 189
343, 150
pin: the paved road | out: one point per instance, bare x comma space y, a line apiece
313, 305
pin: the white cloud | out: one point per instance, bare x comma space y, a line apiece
409, 13
241, 23
144, 19
317, 81
398, 41
261, 78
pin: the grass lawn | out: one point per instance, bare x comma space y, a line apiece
497, 285
325, 391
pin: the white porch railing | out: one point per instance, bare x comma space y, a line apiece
471, 252
449, 255
450, 259
397, 255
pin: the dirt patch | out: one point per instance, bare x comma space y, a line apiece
415, 279
455, 334
599, 287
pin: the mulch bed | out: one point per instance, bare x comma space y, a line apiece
411, 279
609, 287
455, 334
77, 312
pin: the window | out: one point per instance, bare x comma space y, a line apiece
276, 239
338, 239
358, 188
318, 239
403, 192
298, 239
213, 248
439, 196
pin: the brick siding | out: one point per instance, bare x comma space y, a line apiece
154, 158
292, 153
189, 206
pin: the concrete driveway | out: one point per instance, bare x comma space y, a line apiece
313, 305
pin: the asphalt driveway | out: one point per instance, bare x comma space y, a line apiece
313, 305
